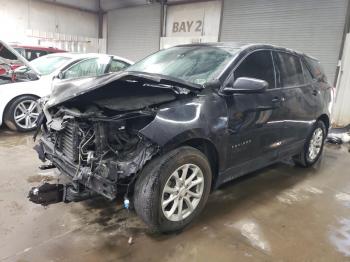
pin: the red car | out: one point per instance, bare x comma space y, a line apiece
29, 53
32, 52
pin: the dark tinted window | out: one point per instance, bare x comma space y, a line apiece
21, 51
257, 65
289, 69
307, 74
316, 69
33, 54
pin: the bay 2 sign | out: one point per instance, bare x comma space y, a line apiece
194, 19
188, 26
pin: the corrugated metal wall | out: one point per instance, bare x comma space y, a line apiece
311, 26
133, 32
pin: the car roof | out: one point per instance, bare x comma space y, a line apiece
76, 56
245, 46
40, 48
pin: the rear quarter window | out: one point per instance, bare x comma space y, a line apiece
316, 69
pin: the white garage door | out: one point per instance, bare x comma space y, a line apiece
192, 23
133, 32
314, 26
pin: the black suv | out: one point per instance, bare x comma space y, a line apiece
179, 123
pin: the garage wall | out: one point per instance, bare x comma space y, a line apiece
16, 17
133, 32
311, 26
341, 109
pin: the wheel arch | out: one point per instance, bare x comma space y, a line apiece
325, 119
209, 149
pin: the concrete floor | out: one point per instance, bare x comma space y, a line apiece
280, 213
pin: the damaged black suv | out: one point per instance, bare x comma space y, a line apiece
179, 123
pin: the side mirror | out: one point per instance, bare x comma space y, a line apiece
60, 75
247, 85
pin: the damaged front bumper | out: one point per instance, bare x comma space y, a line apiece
111, 177
83, 175
99, 157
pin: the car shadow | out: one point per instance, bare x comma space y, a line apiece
246, 192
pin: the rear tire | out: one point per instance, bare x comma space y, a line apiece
22, 114
313, 146
173, 189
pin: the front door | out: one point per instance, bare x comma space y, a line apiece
255, 120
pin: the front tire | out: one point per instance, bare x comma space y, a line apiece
313, 147
22, 114
173, 189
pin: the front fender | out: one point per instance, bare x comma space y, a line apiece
201, 117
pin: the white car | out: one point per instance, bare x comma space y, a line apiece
18, 97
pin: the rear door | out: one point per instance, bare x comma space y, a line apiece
299, 103
321, 90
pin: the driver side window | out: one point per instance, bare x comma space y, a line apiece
89, 67
257, 65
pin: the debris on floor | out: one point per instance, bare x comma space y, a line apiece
339, 135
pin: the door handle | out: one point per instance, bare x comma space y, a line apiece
276, 100
314, 92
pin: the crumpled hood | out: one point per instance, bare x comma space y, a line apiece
66, 90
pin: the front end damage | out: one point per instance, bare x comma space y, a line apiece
94, 138
101, 156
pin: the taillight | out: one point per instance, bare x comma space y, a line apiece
14, 66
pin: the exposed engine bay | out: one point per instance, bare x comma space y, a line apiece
98, 153
95, 140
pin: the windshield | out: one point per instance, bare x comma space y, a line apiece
48, 64
190, 63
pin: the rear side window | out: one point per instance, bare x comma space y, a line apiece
117, 65
31, 54
316, 69
307, 74
89, 67
257, 65
290, 72
21, 51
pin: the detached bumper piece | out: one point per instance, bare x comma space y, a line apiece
48, 194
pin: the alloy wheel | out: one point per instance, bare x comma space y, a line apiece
315, 144
182, 192
26, 114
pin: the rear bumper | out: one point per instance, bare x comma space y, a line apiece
82, 175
